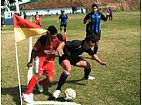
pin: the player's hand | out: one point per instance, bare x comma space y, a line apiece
107, 13
103, 63
60, 52
88, 21
29, 64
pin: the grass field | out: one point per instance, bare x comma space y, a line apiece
118, 83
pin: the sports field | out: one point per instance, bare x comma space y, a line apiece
118, 83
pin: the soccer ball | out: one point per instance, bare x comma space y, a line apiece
69, 94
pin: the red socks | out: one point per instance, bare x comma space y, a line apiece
31, 85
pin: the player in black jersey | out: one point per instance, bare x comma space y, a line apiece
71, 56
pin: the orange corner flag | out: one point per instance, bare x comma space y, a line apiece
24, 28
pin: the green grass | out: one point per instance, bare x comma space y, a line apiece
118, 83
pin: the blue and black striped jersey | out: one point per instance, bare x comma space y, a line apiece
63, 19
94, 25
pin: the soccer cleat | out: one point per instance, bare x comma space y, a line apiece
26, 98
56, 93
89, 78
40, 88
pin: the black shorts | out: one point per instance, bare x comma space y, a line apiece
73, 60
63, 25
97, 36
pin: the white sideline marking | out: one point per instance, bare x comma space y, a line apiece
54, 103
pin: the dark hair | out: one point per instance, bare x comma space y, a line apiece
52, 30
94, 5
90, 38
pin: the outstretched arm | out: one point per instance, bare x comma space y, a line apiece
95, 57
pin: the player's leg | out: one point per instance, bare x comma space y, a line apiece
96, 46
111, 17
87, 68
30, 87
49, 72
97, 38
33, 82
38, 73
65, 28
67, 70
61, 28
40, 23
38, 63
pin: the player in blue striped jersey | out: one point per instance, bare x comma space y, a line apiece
93, 24
63, 18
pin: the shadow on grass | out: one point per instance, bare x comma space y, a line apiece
80, 56
61, 99
14, 91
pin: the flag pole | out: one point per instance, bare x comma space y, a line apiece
17, 63
17, 6
30, 72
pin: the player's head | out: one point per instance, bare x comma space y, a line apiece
94, 7
36, 12
52, 31
63, 12
89, 42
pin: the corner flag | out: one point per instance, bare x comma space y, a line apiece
24, 28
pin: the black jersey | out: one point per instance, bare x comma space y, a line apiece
75, 48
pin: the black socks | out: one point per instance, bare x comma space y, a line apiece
62, 80
86, 73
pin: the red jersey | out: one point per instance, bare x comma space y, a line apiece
44, 48
37, 17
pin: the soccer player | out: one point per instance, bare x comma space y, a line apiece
110, 15
71, 56
37, 19
63, 21
92, 21
43, 55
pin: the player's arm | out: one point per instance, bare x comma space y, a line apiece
95, 57
104, 18
60, 48
62, 39
66, 16
33, 53
87, 19
31, 59
59, 17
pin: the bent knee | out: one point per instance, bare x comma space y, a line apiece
88, 66
50, 80
38, 76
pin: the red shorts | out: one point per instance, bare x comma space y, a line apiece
38, 22
42, 66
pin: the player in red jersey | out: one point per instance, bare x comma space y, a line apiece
37, 19
43, 55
